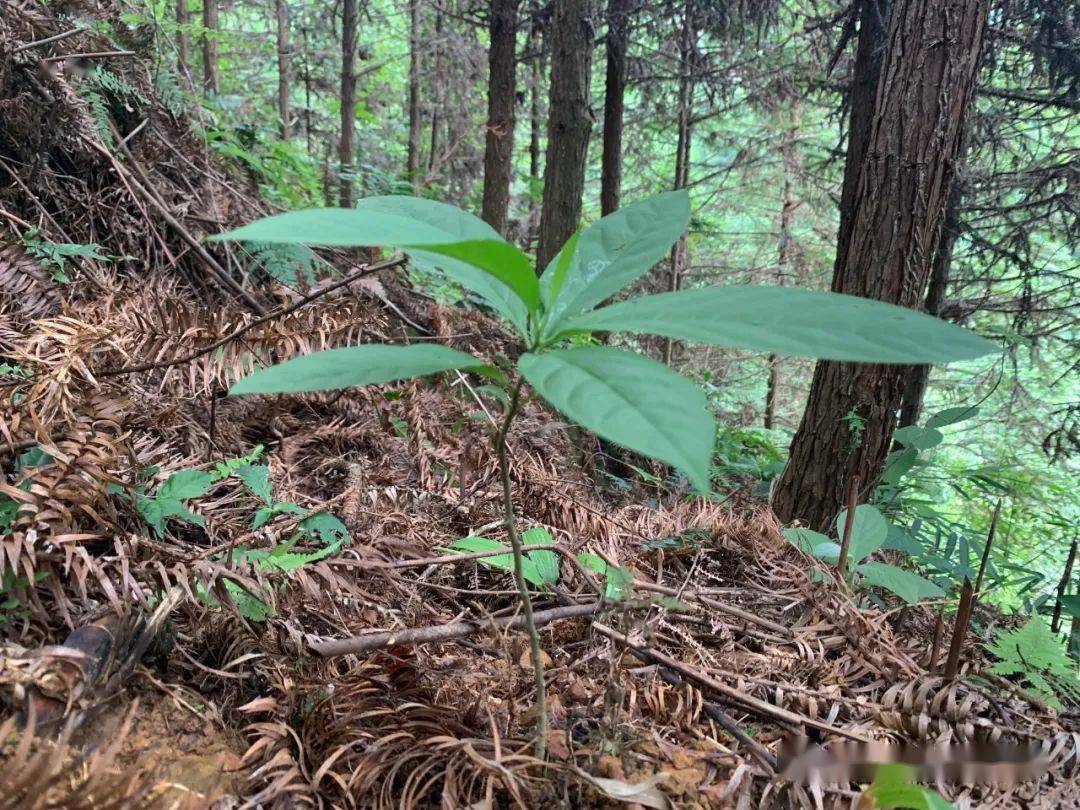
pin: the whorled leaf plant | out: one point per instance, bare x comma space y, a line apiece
621, 396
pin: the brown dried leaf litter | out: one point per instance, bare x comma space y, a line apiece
257, 720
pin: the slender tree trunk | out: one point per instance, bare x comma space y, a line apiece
437, 104
918, 377
347, 144
617, 44
502, 87
896, 213
687, 41
210, 47
536, 86
283, 68
789, 204
569, 127
416, 124
183, 58
307, 94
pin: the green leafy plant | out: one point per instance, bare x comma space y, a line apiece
894, 788
869, 532
11, 586
54, 255
1036, 655
539, 566
621, 396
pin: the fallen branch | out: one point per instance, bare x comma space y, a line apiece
715, 604
48, 40
443, 632
756, 705
240, 331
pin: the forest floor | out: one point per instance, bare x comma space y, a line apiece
677, 696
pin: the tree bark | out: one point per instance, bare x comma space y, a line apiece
437, 104
416, 125
210, 47
895, 212
347, 145
502, 86
283, 68
569, 127
617, 44
687, 46
183, 58
536, 83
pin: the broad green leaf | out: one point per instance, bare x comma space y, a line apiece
1070, 605
869, 531
186, 484
898, 464
502, 260
918, 438
950, 416
612, 253
618, 582
631, 400
894, 788
357, 365
504, 562
563, 261
326, 527
790, 321
257, 478
900, 539
546, 561
394, 222
807, 540
907, 585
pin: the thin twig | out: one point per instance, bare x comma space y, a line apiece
56, 38
240, 331
93, 55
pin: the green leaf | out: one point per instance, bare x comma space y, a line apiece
900, 539
326, 527
790, 321
898, 464
612, 253
950, 416
257, 478
907, 585
502, 260
811, 542
631, 400
504, 562
545, 560
894, 789
357, 365
918, 438
1070, 605
186, 484
869, 531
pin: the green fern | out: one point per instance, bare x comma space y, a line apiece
170, 93
287, 264
107, 95
1034, 653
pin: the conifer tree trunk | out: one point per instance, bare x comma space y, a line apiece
502, 86
536, 82
617, 44
569, 127
283, 67
896, 212
183, 58
347, 144
210, 47
437, 104
416, 125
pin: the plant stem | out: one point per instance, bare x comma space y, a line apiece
519, 578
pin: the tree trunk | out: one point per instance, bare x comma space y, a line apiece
502, 86
308, 111
416, 125
347, 144
183, 58
210, 47
617, 44
536, 83
785, 259
283, 68
896, 211
687, 42
437, 104
569, 127
917, 377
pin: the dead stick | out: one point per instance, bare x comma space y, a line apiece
960, 625
240, 331
1055, 622
845, 544
93, 55
750, 702
986, 549
443, 632
47, 40
935, 644
723, 607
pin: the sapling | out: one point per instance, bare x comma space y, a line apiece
621, 396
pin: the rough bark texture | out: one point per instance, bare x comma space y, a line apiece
210, 47
412, 161
437, 104
924, 92
347, 144
536, 82
283, 68
183, 58
502, 84
617, 43
569, 127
